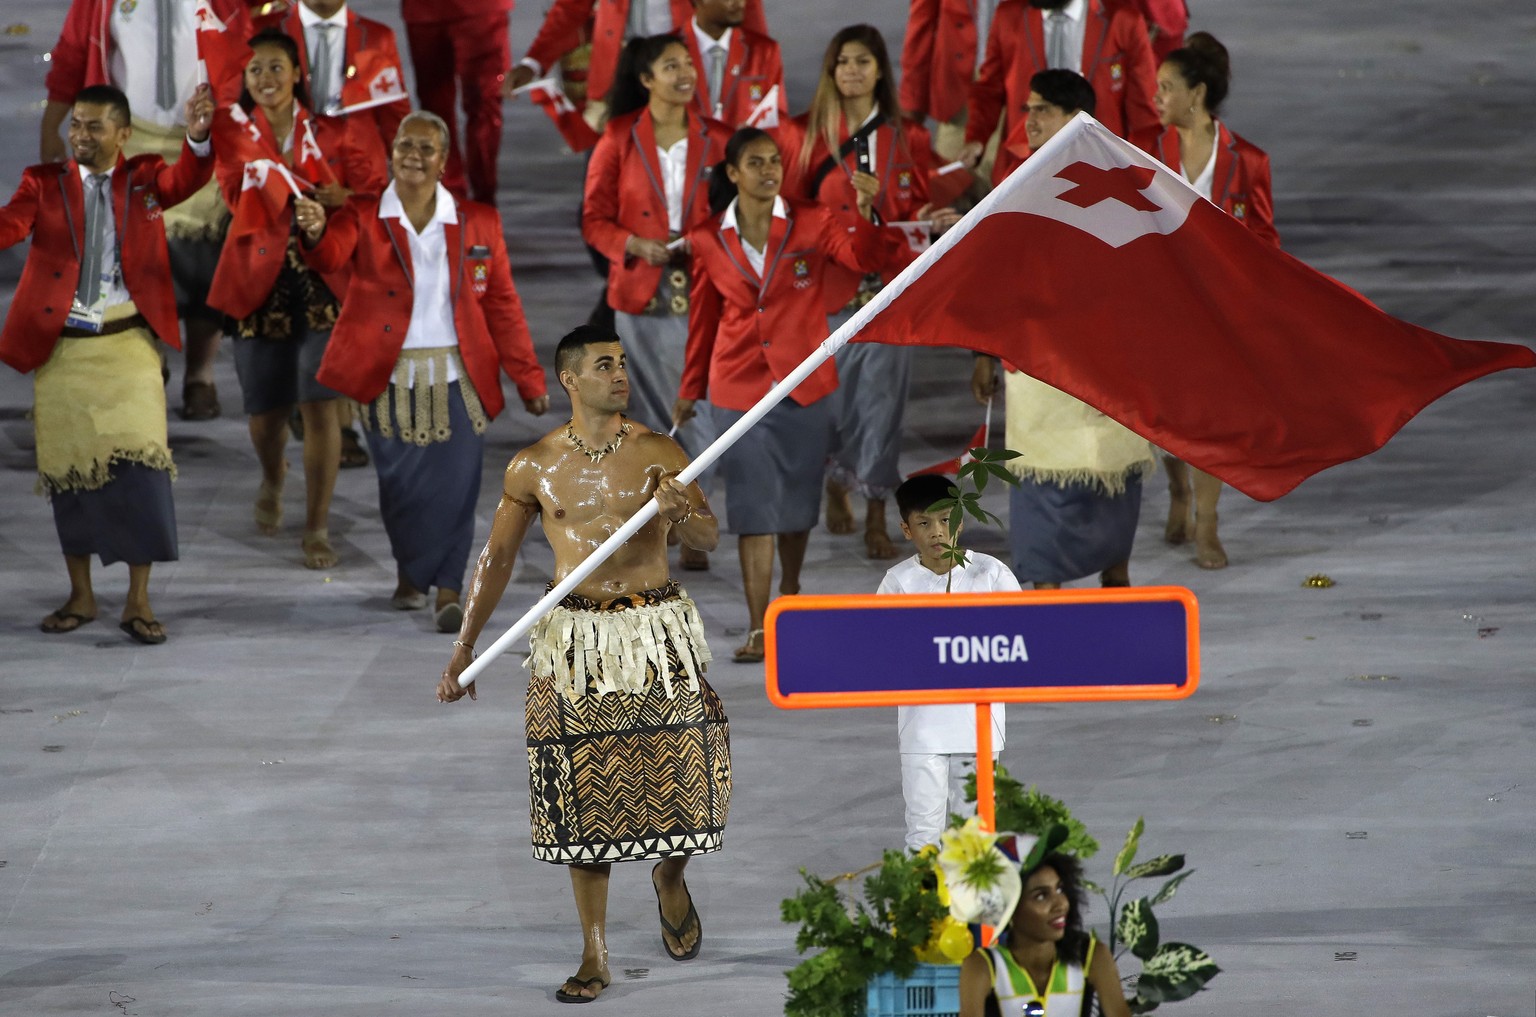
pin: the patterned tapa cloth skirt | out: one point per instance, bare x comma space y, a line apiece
629, 753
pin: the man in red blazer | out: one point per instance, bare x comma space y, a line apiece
614, 22
363, 67
94, 295
749, 62
88, 50
1115, 55
942, 51
460, 50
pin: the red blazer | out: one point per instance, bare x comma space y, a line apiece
450, 10
561, 33
625, 197
376, 313
753, 65
50, 206
938, 57
371, 54
746, 333
1240, 184
904, 159
252, 258
83, 54
1117, 59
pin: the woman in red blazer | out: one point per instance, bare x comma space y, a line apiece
429, 320
266, 149
853, 141
758, 310
647, 185
1234, 174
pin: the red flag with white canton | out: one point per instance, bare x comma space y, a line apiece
1098, 271
551, 98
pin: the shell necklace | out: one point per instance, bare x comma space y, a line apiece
596, 454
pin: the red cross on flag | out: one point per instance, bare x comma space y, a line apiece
1096, 270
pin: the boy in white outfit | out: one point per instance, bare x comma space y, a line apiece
938, 743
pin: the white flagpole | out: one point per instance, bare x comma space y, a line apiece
829, 346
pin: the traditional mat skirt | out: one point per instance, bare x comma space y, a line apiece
629, 753
871, 398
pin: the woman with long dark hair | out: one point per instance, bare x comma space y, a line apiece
853, 143
758, 309
1046, 964
266, 149
1191, 86
647, 185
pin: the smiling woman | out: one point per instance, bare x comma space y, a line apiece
430, 316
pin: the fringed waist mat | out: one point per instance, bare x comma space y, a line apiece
597, 647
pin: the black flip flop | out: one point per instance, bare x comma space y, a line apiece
584, 983
64, 616
138, 635
690, 920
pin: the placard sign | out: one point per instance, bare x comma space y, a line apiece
1032, 646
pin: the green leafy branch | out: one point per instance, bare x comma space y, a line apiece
970, 483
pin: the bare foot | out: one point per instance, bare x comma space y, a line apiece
1181, 521
1116, 575
269, 505
1209, 554
318, 553
877, 545
407, 598
839, 508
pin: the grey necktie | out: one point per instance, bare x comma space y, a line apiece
88, 289
165, 54
716, 75
320, 68
1056, 51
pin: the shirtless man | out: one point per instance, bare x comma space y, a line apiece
645, 774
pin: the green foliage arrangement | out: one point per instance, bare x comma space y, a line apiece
859, 939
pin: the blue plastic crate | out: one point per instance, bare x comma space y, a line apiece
932, 991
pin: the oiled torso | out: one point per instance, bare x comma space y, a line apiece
582, 503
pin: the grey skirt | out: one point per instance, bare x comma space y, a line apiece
1063, 532
773, 474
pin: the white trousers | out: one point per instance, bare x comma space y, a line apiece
933, 786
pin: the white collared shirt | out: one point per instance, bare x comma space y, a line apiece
1077, 24
110, 263
648, 17
338, 45
984, 12
1206, 178
431, 287
874, 155
705, 44
674, 180
755, 257
135, 32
